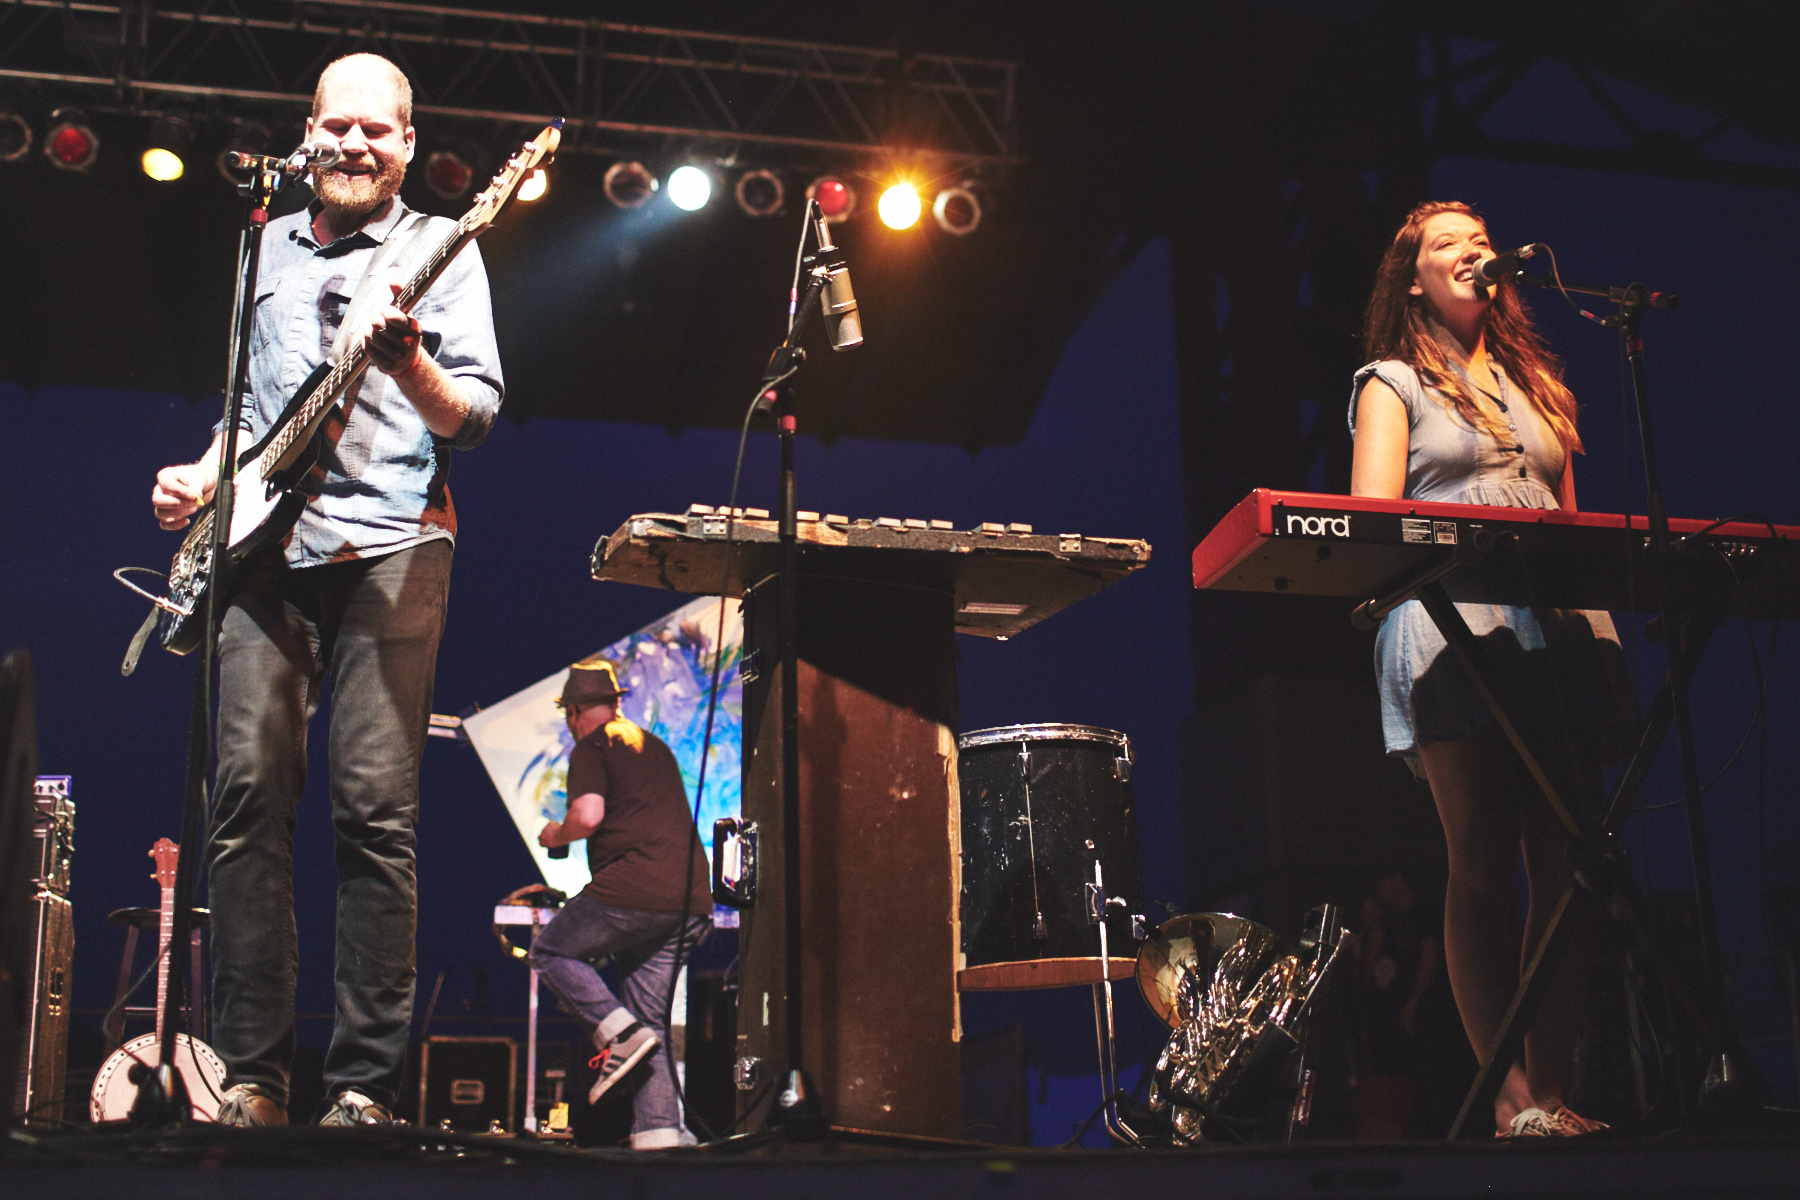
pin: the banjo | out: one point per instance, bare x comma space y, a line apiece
268, 500
115, 1088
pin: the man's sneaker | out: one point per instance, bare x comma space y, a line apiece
663, 1139
248, 1106
353, 1108
618, 1056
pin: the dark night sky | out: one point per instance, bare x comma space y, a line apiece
1101, 458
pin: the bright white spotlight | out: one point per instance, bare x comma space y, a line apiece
534, 185
899, 206
689, 188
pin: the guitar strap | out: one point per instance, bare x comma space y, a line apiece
396, 249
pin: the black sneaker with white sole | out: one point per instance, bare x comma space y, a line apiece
618, 1056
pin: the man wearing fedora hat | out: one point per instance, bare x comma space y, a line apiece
647, 903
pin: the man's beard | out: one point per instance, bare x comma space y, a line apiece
359, 193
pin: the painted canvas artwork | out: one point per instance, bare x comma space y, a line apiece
666, 668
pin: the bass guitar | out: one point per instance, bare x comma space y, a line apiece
116, 1086
267, 498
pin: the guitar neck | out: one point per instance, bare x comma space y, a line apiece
165, 936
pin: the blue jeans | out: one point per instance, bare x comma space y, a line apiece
371, 626
643, 945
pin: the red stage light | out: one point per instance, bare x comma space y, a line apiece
836, 198
71, 143
628, 184
448, 174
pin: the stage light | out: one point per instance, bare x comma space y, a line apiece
448, 174
760, 193
628, 184
15, 137
899, 206
246, 137
71, 143
835, 197
534, 186
957, 210
690, 188
164, 166
169, 139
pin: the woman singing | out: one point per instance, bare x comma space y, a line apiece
1463, 403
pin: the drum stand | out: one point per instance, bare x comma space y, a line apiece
1098, 904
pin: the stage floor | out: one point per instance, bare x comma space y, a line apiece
318, 1164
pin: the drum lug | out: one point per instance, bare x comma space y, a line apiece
743, 1073
750, 667
1122, 769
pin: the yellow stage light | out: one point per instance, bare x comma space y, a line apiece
535, 185
900, 207
164, 166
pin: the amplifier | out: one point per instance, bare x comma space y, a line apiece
468, 1083
44, 1057
53, 834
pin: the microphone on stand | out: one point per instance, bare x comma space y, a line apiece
312, 154
838, 302
1495, 269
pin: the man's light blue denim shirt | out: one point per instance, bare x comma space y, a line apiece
382, 480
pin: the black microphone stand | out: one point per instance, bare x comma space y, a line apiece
796, 1112
1600, 865
162, 1097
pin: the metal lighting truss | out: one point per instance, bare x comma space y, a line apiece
618, 86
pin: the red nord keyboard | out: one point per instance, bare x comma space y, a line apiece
1317, 545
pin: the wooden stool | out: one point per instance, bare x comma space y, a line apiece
135, 920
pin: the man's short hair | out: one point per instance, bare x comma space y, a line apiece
401, 84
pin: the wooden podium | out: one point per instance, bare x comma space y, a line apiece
880, 603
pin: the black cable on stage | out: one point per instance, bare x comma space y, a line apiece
712, 697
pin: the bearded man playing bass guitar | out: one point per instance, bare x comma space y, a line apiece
355, 593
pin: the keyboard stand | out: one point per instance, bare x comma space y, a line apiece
1601, 868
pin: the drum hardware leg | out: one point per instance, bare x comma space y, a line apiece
1300, 1112
1105, 1031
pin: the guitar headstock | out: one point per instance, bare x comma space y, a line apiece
168, 856
538, 152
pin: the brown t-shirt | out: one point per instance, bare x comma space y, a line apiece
638, 854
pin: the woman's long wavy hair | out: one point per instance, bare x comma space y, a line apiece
1396, 326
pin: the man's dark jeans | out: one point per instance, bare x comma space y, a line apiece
643, 946
371, 627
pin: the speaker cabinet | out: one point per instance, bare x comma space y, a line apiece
469, 1083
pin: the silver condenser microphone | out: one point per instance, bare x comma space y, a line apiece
838, 302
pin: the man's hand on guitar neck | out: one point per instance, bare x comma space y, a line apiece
393, 342
181, 490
